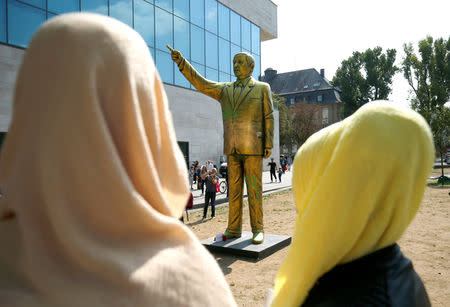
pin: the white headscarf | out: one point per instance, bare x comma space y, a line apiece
93, 172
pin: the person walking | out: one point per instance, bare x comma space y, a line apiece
191, 176
210, 180
273, 167
280, 173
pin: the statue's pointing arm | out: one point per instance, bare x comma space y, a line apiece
205, 86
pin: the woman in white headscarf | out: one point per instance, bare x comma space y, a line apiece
357, 185
87, 218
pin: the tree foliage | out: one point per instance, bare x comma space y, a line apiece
305, 122
365, 76
285, 119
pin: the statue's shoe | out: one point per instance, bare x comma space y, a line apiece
231, 235
258, 238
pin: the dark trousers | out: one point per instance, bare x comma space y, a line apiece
272, 173
210, 197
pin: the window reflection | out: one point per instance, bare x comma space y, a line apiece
38, 3
212, 55
122, 10
180, 80
164, 29
3, 21
165, 4
23, 21
245, 34
198, 12
197, 44
224, 22
211, 16
181, 8
224, 55
256, 39
63, 6
144, 21
182, 37
257, 70
212, 74
95, 6
164, 65
235, 28
223, 77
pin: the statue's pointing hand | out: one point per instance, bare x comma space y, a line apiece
176, 55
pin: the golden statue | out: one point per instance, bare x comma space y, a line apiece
247, 114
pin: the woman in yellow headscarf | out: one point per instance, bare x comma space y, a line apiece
357, 186
94, 181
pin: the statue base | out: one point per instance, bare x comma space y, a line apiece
243, 246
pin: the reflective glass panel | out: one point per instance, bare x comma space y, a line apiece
212, 74
224, 22
38, 3
165, 4
164, 29
245, 32
144, 22
212, 55
224, 55
223, 77
95, 6
23, 21
211, 16
122, 10
235, 26
164, 64
197, 44
63, 6
234, 49
200, 69
3, 21
50, 15
256, 41
257, 70
181, 8
181, 37
180, 80
198, 12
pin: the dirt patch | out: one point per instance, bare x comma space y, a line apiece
426, 242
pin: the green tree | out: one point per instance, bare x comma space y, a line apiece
365, 76
305, 122
428, 75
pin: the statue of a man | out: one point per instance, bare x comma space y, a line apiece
247, 114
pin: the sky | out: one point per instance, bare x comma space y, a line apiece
321, 34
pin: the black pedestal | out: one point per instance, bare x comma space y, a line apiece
243, 246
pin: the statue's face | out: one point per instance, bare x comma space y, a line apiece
240, 66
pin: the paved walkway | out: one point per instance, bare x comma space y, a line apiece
268, 187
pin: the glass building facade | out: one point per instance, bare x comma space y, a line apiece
206, 32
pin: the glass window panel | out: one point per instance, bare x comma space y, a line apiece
224, 22
122, 10
245, 32
144, 21
50, 15
200, 69
181, 8
164, 64
198, 12
180, 80
95, 6
63, 6
212, 74
224, 55
38, 3
23, 21
257, 70
256, 41
182, 37
197, 44
165, 4
212, 55
235, 26
234, 50
223, 77
211, 16
164, 29
3, 21
152, 52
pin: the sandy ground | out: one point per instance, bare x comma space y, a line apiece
426, 242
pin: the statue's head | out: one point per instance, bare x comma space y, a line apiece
243, 64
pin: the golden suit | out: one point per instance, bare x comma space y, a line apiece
247, 130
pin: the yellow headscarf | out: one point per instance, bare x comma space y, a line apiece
92, 169
357, 186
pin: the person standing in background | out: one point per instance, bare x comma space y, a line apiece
210, 180
273, 168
